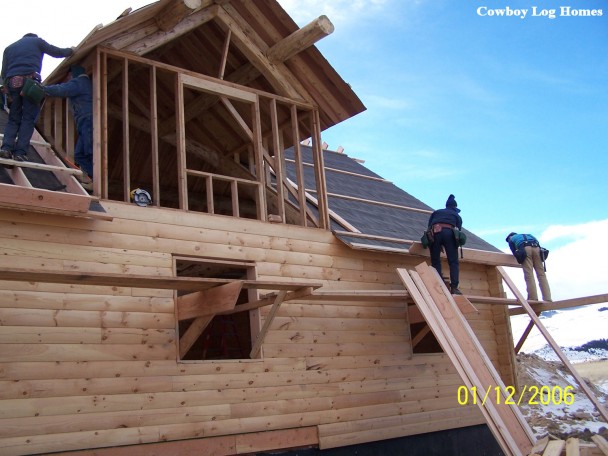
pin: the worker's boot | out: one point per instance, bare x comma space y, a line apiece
455, 291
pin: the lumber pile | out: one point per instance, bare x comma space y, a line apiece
570, 447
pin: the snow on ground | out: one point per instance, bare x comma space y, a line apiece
568, 327
539, 365
551, 415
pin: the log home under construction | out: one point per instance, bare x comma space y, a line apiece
269, 295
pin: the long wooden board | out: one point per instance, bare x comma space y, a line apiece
461, 345
141, 281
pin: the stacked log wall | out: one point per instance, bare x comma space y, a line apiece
90, 366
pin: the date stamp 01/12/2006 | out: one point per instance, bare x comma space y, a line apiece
544, 395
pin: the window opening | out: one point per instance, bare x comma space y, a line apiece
226, 335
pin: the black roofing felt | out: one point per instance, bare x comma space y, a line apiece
367, 217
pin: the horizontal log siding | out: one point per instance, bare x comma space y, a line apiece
97, 365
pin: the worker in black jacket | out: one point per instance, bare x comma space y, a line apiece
442, 223
23, 60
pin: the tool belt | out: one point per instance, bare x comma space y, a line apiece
530, 244
437, 227
16, 82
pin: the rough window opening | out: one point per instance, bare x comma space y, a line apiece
225, 336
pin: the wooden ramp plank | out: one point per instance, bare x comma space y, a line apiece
460, 344
443, 296
423, 300
526, 305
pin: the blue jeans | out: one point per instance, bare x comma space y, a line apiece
446, 239
20, 126
83, 152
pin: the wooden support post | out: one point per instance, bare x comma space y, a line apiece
225, 55
180, 129
524, 336
69, 132
560, 354
100, 156
295, 134
322, 206
278, 158
234, 191
126, 168
267, 322
259, 157
209, 188
154, 138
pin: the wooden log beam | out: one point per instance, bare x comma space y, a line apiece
301, 39
209, 302
175, 11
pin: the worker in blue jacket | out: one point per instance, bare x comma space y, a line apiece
79, 90
526, 250
442, 223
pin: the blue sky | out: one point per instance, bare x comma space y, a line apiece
509, 114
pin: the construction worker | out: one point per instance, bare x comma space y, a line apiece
23, 60
79, 90
527, 251
442, 223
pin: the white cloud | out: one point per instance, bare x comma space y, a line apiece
338, 11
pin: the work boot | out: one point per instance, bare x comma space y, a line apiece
455, 291
21, 158
8, 155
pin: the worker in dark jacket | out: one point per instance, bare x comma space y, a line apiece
23, 60
526, 249
79, 90
442, 223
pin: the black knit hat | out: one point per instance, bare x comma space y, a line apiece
451, 202
509, 236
